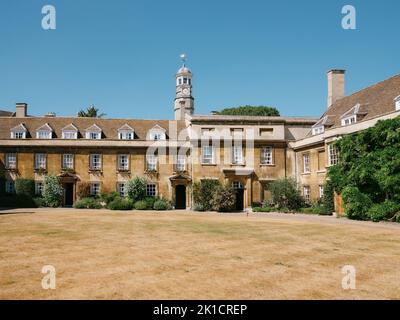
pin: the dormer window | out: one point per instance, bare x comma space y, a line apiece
93, 132
70, 132
318, 130
18, 132
126, 133
44, 132
157, 133
349, 120
397, 103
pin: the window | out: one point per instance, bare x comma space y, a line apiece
318, 130
306, 163
237, 185
69, 135
180, 163
151, 162
333, 155
121, 189
125, 135
266, 155
11, 161
95, 188
95, 162
123, 162
349, 120
208, 155
397, 103
18, 134
237, 155
185, 80
43, 134
10, 186
306, 193
39, 188
40, 161
151, 190
68, 161
93, 135
321, 191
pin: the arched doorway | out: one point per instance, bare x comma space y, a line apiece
239, 189
180, 197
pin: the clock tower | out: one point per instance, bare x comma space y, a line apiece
184, 101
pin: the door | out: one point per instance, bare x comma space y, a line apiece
180, 197
239, 190
68, 194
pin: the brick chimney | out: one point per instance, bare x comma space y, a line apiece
336, 83
21, 110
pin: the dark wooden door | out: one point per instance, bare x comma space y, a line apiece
239, 199
180, 197
68, 194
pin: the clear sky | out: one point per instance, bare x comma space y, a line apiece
122, 55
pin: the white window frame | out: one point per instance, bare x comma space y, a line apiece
207, 154
151, 190
333, 155
306, 163
349, 120
70, 134
40, 161
122, 189
180, 163
307, 193
318, 130
151, 162
321, 191
10, 186
39, 185
95, 165
18, 134
157, 135
44, 134
397, 103
123, 162
11, 161
95, 188
68, 161
126, 135
93, 135
267, 155
237, 154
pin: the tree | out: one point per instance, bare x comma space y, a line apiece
248, 110
52, 191
203, 192
91, 112
224, 198
137, 189
25, 187
286, 194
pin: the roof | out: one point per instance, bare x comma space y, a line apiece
373, 101
109, 127
4, 113
184, 69
252, 119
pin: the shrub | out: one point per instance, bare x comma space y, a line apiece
107, 198
25, 186
150, 202
199, 207
224, 198
203, 192
88, 203
140, 205
52, 191
264, 209
161, 204
121, 204
17, 201
383, 211
328, 199
83, 190
137, 189
286, 195
356, 204
39, 202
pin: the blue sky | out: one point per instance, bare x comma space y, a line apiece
122, 55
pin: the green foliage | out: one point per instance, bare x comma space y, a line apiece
83, 190
25, 186
286, 195
52, 191
119, 203
39, 202
251, 111
224, 198
328, 198
137, 189
161, 204
264, 209
356, 203
17, 201
88, 203
107, 198
383, 211
150, 202
199, 207
140, 205
203, 192
91, 112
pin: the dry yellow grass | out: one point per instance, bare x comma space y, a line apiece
141, 255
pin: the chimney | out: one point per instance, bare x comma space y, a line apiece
21, 110
336, 84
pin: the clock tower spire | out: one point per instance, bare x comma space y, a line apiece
184, 101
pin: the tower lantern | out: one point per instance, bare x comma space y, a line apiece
184, 101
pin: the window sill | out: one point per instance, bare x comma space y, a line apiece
40, 170
11, 169
209, 164
95, 171
238, 164
150, 171
123, 171
321, 171
267, 165
306, 173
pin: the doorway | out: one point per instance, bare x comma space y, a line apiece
239, 190
180, 197
68, 194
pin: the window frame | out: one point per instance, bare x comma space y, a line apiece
306, 163
307, 195
151, 162
123, 168
333, 155
263, 158
91, 162
210, 159
10, 187
7, 161
63, 162
92, 188
40, 157
149, 187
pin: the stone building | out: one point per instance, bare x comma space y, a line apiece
247, 152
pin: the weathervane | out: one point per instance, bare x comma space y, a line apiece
183, 57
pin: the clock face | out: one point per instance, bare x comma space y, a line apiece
185, 91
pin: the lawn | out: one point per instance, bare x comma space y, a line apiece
102, 254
